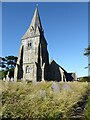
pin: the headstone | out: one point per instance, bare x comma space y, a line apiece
66, 87
7, 77
55, 87
23, 79
42, 93
15, 79
4, 79
12, 79
34, 82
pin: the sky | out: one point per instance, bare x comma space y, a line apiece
65, 27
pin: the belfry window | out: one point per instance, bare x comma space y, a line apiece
29, 44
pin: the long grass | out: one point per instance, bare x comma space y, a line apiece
39, 101
87, 110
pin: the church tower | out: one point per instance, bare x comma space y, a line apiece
33, 59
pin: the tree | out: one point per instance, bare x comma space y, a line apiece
2, 63
7, 64
87, 51
11, 61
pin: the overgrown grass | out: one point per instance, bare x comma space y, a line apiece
38, 101
87, 110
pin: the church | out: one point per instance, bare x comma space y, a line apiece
33, 59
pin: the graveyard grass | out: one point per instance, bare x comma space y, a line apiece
87, 109
39, 101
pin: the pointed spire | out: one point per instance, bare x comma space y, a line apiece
37, 5
35, 23
36, 19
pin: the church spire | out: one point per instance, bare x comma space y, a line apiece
35, 24
36, 19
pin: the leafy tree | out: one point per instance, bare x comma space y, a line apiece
87, 51
11, 61
2, 63
7, 63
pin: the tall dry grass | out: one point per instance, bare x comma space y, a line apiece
40, 101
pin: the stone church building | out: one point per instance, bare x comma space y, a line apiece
33, 59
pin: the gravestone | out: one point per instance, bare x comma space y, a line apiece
12, 79
66, 87
4, 79
7, 77
34, 82
23, 79
42, 93
55, 87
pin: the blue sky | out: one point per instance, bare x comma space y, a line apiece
65, 27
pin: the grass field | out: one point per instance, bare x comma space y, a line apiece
87, 110
43, 100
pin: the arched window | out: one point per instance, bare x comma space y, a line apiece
30, 44
27, 69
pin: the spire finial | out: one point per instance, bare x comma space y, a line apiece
37, 5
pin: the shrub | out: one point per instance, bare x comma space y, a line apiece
84, 79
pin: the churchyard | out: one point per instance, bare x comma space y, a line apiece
45, 100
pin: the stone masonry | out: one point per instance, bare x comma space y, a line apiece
33, 58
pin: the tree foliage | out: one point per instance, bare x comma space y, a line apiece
87, 51
7, 64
